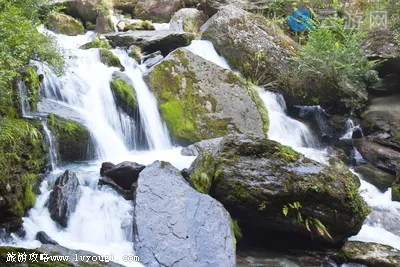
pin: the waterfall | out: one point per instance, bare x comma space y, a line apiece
50, 142
156, 132
349, 129
23, 98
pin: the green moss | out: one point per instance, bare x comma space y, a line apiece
109, 59
164, 164
32, 82
136, 53
22, 158
181, 107
73, 139
124, 92
396, 192
97, 44
203, 177
64, 24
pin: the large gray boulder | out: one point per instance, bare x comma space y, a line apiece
157, 10
200, 100
269, 187
151, 41
188, 20
64, 198
85, 10
177, 226
200, 147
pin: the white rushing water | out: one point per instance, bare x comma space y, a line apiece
50, 142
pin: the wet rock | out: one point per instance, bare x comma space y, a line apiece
157, 10
64, 24
74, 142
200, 147
381, 179
104, 23
173, 222
123, 174
106, 166
124, 94
380, 156
64, 198
268, 187
357, 133
200, 100
153, 61
45, 239
396, 188
109, 59
127, 6
188, 20
151, 41
127, 194
370, 254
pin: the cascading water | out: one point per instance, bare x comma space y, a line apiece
156, 132
50, 142
23, 95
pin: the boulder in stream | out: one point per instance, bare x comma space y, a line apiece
64, 198
157, 10
200, 100
188, 20
177, 226
64, 24
151, 41
268, 187
370, 254
123, 174
45, 238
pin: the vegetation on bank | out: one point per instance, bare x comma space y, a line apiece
20, 42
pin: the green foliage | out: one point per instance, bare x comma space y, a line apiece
236, 231
334, 53
20, 42
310, 223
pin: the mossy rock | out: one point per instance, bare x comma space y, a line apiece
200, 100
396, 188
64, 24
381, 179
23, 158
255, 178
135, 53
97, 44
124, 95
74, 141
109, 59
140, 25
368, 253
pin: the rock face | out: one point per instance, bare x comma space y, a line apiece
74, 142
370, 254
126, 6
157, 10
200, 147
200, 100
381, 156
382, 180
151, 41
270, 187
123, 174
177, 226
188, 20
62, 23
255, 47
212, 6
45, 239
64, 198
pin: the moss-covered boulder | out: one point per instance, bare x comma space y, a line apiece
74, 142
109, 59
200, 100
96, 44
188, 20
124, 94
156, 10
135, 52
85, 10
65, 24
127, 6
23, 157
369, 254
269, 187
381, 179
